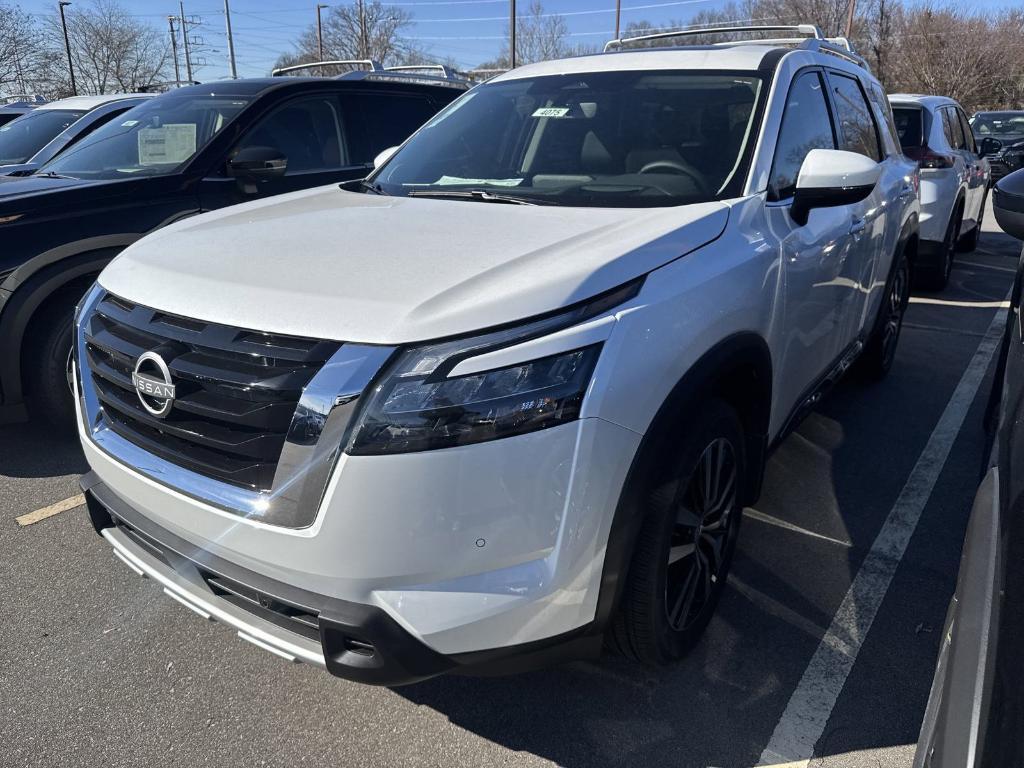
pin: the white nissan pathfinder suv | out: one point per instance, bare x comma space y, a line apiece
504, 400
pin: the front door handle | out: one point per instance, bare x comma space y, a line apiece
857, 227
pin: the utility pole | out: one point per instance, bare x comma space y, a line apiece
174, 51
363, 43
618, 14
849, 19
231, 42
67, 46
184, 39
512, 33
320, 30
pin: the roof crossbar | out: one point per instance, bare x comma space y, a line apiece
370, 64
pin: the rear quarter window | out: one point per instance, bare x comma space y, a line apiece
909, 126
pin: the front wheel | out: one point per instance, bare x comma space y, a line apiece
881, 349
50, 397
686, 542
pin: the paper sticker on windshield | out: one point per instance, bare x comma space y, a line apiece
551, 112
445, 181
129, 123
172, 143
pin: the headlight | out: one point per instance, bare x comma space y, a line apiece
417, 406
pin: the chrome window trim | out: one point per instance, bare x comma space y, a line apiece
315, 438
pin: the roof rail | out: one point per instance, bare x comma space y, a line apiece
445, 72
813, 40
811, 30
370, 64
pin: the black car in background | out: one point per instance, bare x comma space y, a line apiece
975, 714
187, 151
14, 109
1000, 136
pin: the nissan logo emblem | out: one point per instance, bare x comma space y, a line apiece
152, 381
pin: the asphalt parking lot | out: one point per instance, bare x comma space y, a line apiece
823, 646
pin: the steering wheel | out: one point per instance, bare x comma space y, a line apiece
659, 166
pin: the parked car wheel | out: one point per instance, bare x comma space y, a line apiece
47, 374
880, 353
949, 244
686, 543
969, 242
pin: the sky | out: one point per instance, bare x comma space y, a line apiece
470, 31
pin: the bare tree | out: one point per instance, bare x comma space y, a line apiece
19, 47
539, 36
370, 30
112, 51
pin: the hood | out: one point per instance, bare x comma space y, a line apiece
340, 265
12, 187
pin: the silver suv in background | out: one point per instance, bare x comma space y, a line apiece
934, 131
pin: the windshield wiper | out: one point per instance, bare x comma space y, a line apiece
477, 194
52, 175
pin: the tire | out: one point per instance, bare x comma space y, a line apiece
969, 242
940, 278
686, 541
878, 356
49, 394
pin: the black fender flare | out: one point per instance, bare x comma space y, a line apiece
733, 353
34, 283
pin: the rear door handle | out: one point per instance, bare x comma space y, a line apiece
857, 227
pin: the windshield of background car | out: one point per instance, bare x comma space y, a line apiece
23, 137
619, 139
997, 124
153, 139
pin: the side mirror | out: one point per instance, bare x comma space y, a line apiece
1008, 203
832, 177
989, 146
384, 156
258, 164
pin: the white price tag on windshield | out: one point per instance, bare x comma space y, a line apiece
551, 112
171, 143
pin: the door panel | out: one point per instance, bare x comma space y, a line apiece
814, 257
976, 181
868, 219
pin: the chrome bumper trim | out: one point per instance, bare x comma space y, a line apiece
200, 600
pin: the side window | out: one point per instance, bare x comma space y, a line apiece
857, 127
885, 119
949, 115
386, 120
307, 131
806, 125
965, 126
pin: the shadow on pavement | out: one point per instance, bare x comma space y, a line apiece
34, 449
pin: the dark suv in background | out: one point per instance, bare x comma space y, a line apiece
1000, 136
187, 151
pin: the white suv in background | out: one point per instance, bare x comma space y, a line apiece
506, 398
933, 130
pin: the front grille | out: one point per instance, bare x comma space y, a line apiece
236, 389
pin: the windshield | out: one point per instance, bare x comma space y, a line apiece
999, 124
618, 139
153, 139
23, 137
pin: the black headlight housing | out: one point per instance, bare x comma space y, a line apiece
416, 405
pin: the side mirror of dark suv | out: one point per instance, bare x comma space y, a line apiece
989, 146
1008, 203
258, 164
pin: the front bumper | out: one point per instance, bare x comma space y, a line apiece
351, 640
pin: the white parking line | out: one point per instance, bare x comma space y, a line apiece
50, 511
970, 304
811, 704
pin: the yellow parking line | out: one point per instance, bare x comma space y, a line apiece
50, 511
